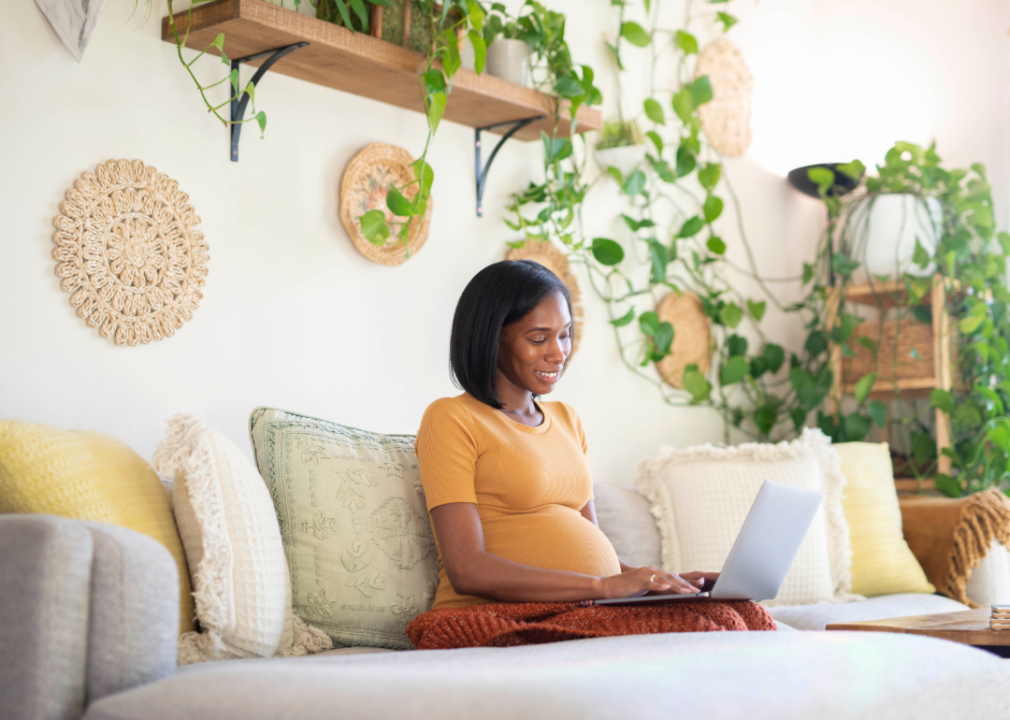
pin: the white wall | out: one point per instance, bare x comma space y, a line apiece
292, 315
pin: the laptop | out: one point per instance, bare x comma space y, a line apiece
762, 553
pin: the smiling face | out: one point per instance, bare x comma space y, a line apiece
533, 349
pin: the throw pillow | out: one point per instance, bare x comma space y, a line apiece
882, 563
354, 523
88, 476
233, 544
701, 495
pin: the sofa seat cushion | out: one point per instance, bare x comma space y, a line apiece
780, 676
815, 617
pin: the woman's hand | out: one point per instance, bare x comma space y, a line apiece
700, 578
647, 579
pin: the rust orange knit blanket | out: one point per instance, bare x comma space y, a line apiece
503, 624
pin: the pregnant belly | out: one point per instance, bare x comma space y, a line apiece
554, 538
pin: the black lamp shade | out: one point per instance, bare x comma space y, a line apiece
843, 183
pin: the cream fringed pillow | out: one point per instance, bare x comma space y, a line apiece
701, 495
233, 545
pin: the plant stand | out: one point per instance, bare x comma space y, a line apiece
902, 372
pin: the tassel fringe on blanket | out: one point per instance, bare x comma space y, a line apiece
506, 624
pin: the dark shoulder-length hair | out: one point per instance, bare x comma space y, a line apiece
498, 295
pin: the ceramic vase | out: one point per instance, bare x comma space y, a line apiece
893, 224
509, 60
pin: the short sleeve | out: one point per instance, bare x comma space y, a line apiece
447, 454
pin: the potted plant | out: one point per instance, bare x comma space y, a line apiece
621, 146
888, 228
508, 49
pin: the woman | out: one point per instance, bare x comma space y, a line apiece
506, 477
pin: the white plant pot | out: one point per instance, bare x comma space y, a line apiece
893, 223
509, 60
625, 158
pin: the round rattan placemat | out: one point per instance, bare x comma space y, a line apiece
554, 260
367, 179
128, 253
692, 336
726, 117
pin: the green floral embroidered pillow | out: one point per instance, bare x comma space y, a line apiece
354, 523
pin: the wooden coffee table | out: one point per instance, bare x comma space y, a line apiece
970, 627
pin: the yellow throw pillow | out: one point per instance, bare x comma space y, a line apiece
89, 476
882, 564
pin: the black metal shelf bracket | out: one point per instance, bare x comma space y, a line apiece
482, 172
241, 100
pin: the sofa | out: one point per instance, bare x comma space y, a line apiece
89, 619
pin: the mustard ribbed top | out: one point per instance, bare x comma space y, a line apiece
529, 485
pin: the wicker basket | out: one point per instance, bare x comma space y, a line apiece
692, 337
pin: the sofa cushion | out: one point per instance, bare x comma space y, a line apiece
815, 617
701, 496
758, 676
624, 517
89, 476
354, 523
882, 564
233, 545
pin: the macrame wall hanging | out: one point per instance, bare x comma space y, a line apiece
128, 253
367, 179
554, 260
726, 118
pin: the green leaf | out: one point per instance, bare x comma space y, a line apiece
399, 205
606, 251
822, 177
663, 338
716, 245
863, 387
635, 34
436, 106
967, 413
568, 87
946, 485
1004, 241
920, 257
616, 174
727, 20
942, 400
774, 356
808, 273
856, 427
233, 77
691, 227
696, 384
765, 417
359, 9
709, 175
757, 309
654, 111
344, 15
476, 14
261, 120
842, 264
731, 315
816, 343
656, 140
712, 208
923, 314
923, 447
686, 161
649, 322
878, 413
434, 81
735, 370
736, 345
657, 252
683, 104
218, 42
624, 319
686, 42
799, 417
853, 170
971, 323
517, 244
701, 91
635, 183
374, 227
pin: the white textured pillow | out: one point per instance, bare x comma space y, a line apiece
233, 545
701, 495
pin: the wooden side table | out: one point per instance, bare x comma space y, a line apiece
970, 627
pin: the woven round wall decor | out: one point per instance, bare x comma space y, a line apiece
128, 252
692, 336
366, 181
554, 260
726, 117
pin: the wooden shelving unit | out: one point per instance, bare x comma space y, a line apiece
364, 65
915, 377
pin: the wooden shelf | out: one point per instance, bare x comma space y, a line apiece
909, 387
363, 65
910, 485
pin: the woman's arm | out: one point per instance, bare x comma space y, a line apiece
474, 571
